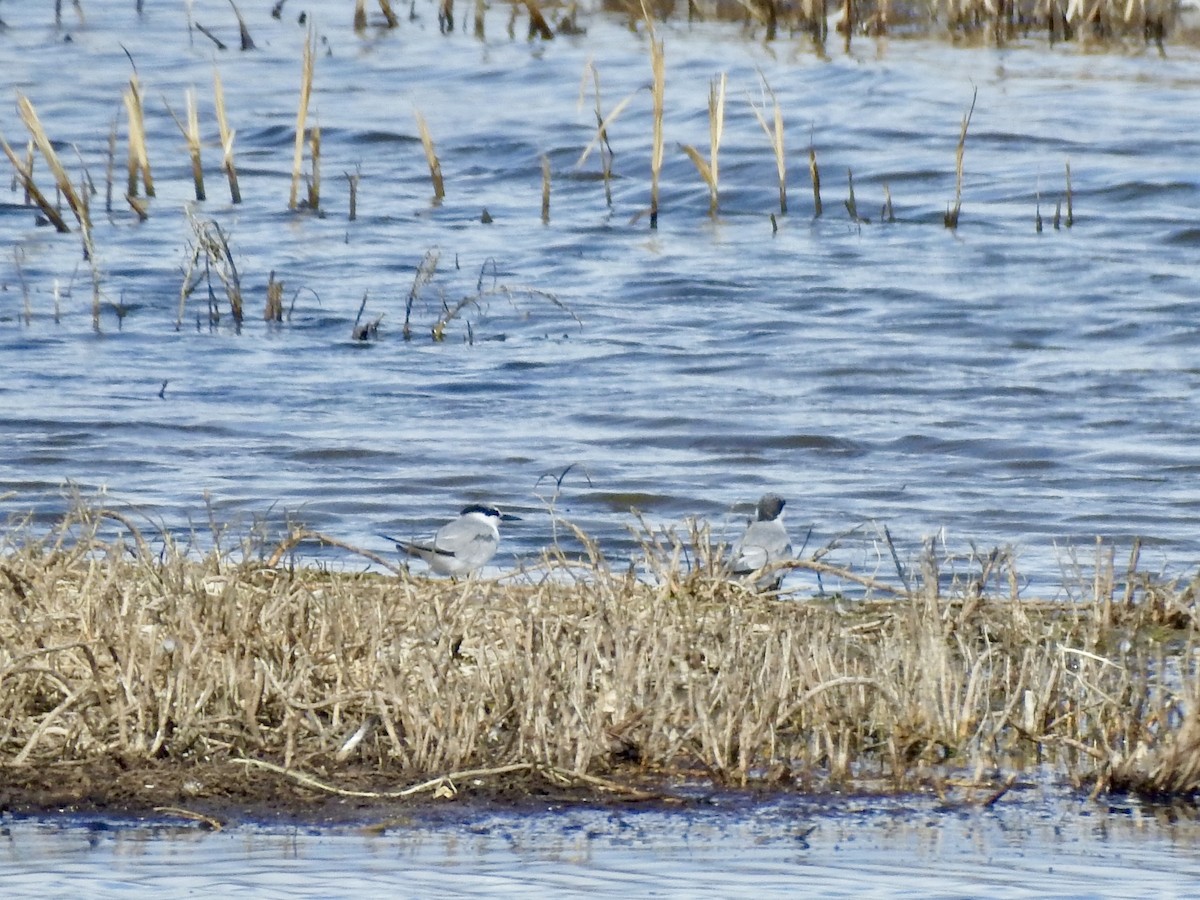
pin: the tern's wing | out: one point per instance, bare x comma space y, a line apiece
413, 548
763, 543
467, 540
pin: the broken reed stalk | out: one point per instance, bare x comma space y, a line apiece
774, 133
851, 203
210, 247
538, 26
365, 331
227, 135
247, 42
89, 250
657, 90
815, 174
29, 160
425, 272
139, 157
306, 79
24, 172
600, 138
435, 167
30, 117
390, 17
545, 189
274, 308
887, 214
1070, 202
709, 170
360, 15
951, 218
110, 166
191, 134
314, 184
353, 178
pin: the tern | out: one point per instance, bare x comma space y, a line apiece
463, 545
765, 542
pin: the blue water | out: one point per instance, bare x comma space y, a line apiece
990, 384
1024, 847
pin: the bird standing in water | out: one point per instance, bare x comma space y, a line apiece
463, 545
765, 542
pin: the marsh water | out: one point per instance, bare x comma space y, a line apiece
990, 385
848, 847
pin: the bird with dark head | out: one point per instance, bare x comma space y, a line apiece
764, 543
463, 545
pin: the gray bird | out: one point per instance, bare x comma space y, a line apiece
462, 545
765, 542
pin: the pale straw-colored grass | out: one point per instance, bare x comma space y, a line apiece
132, 645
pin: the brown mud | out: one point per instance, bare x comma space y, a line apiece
221, 794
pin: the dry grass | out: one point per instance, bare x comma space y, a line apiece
133, 646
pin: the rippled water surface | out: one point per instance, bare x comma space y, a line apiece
1001, 384
852, 848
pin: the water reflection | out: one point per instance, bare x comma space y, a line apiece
1033, 844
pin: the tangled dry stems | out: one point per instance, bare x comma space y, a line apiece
124, 646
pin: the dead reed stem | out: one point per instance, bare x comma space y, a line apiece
24, 172
1070, 201
274, 308
389, 16
657, 91
139, 156
353, 178
545, 189
774, 133
951, 219
191, 134
851, 203
61, 180
710, 169
600, 139
538, 26
435, 167
227, 136
314, 184
110, 166
424, 274
247, 42
306, 79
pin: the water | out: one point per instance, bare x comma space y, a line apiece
848, 847
990, 384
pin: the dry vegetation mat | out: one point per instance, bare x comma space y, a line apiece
125, 652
